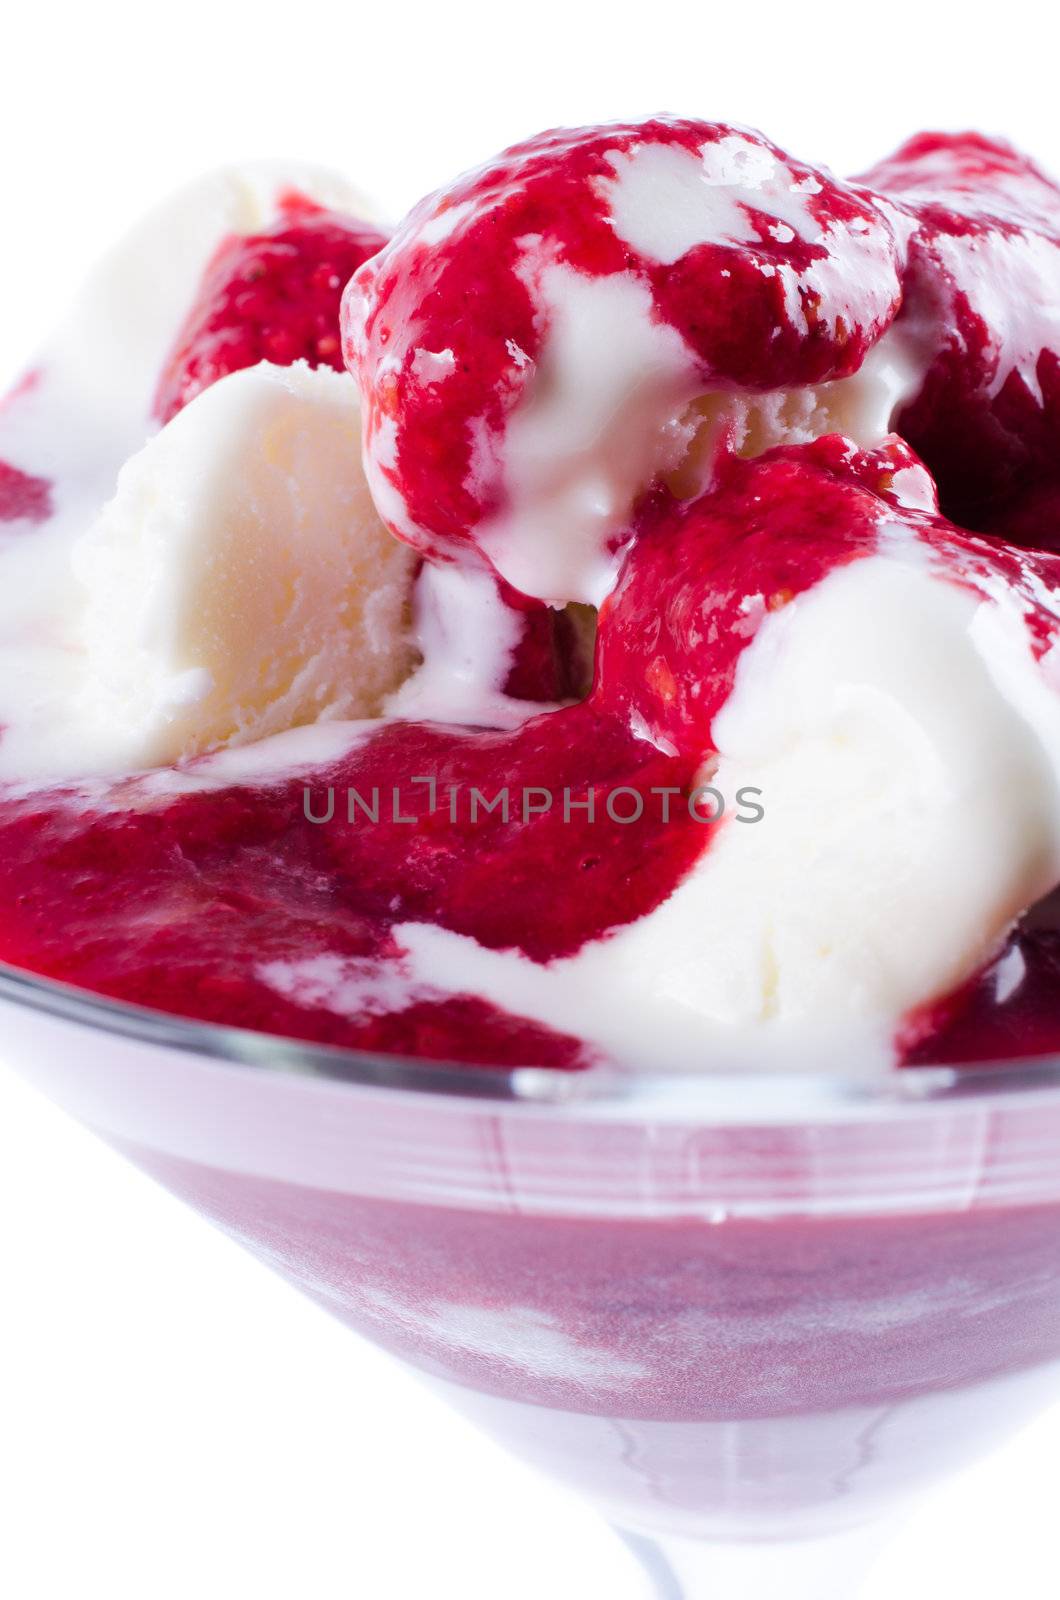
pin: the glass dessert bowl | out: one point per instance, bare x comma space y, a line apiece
372, 634
745, 1320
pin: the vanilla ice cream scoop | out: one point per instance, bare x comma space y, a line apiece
240, 582
872, 698
644, 292
87, 407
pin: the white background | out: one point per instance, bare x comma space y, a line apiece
173, 1421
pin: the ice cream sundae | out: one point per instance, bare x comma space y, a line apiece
611, 618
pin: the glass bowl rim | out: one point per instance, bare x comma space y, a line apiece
597, 1086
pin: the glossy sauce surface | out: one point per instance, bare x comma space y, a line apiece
190, 895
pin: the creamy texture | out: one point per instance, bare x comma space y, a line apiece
887, 704
220, 600
604, 415
240, 582
665, 199
616, 404
85, 410
1012, 293
620, 276
466, 637
861, 408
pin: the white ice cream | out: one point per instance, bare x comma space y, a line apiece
907, 749
227, 579
467, 638
665, 199
617, 399
602, 417
615, 403
240, 582
91, 406
87, 411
